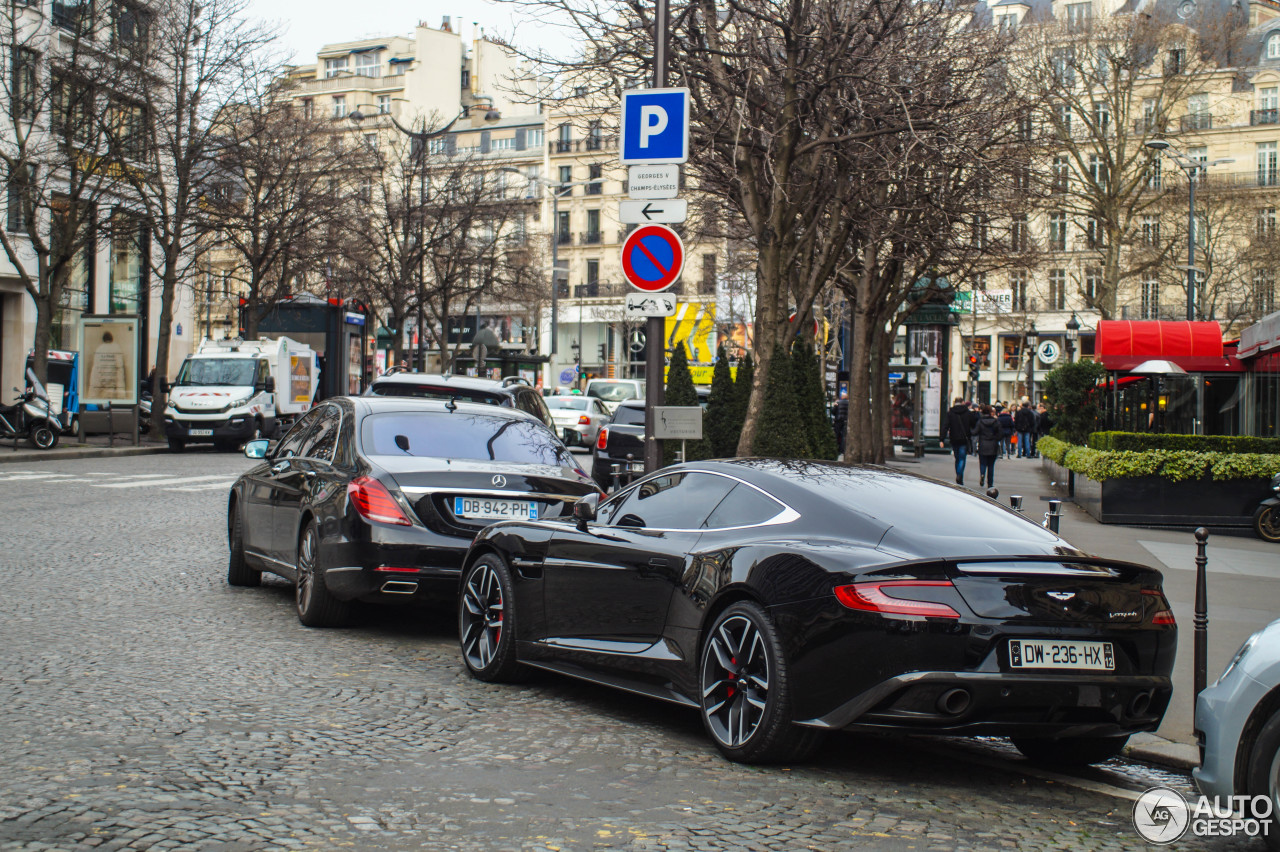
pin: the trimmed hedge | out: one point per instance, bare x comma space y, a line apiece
1142, 441
1173, 465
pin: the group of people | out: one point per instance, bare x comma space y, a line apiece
992, 432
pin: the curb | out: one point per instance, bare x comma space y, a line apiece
23, 456
1163, 753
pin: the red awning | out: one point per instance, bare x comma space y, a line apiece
1194, 346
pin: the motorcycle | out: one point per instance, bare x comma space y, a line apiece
31, 416
1266, 520
144, 412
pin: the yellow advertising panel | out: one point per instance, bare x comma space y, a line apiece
300, 378
694, 325
701, 373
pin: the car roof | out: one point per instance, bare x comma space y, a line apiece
467, 382
384, 404
631, 403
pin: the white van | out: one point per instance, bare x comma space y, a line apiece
232, 391
613, 391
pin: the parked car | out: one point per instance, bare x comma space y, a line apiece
512, 392
783, 599
620, 442
578, 418
1238, 726
377, 499
614, 391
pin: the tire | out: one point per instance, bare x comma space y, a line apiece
746, 691
238, 571
487, 621
43, 436
316, 605
1263, 778
1070, 751
1267, 524
177, 445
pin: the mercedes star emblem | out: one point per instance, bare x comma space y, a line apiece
500, 481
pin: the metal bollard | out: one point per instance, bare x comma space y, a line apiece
1015, 502
993, 493
1202, 613
1053, 517
616, 469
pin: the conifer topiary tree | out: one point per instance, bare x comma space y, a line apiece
781, 433
719, 426
813, 402
680, 391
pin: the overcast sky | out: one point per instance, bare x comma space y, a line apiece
308, 24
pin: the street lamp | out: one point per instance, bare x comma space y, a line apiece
1192, 168
1073, 334
1033, 338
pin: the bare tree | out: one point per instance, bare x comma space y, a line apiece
59, 161
275, 208
199, 57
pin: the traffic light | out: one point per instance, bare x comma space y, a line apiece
973, 368
604, 353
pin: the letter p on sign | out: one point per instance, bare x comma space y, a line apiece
654, 126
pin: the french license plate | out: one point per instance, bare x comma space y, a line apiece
1050, 654
491, 510
201, 432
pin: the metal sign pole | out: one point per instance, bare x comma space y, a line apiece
653, 360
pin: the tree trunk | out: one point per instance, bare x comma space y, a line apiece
168, 288
769, 323
862, 442
43, 337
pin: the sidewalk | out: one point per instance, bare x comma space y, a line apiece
1233, 609
94, 446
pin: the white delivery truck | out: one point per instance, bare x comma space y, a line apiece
232, 391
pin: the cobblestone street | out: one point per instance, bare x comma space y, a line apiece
145, 704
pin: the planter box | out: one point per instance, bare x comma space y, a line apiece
1155, 501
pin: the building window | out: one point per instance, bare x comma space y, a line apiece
1057, 231
1268, 111
1154, 173
126, 265
1060, 173
566, 177
384, 104
339, 106
308, 108
593, 227
595, 172
1007, 23
535, 138
708, 284
1150, 230
1057, 289
1150, 297
1266, 223
1063, 113
981, 231
1264, 292
74, 15
1102, 118
593, 278
1078, 16
1018, 289
24, 82
1094, 236
562, 227
1273, 46
1098, 171
1198, 117
565, 142
1174, 61
369, 64
1018, 232
130, 27
19, 188
1201, 155
1063, 60
1150, 116
507, 143
1268, 170
1092, 283
334, 67
595, 136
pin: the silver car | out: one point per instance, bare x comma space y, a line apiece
1238, 724
577, 418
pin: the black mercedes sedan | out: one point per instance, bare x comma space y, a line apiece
785, 599
377, 499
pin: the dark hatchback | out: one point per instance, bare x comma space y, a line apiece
784, 599
377, 500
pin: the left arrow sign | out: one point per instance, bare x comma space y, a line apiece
668, 212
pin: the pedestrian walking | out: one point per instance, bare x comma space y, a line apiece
1025, 423
1044, 423
1006, 432
842, 420
959, 431
990, 438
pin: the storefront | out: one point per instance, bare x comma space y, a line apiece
1260, 352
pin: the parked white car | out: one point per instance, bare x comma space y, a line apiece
578, 418
613, 391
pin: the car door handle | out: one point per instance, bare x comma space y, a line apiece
280, 467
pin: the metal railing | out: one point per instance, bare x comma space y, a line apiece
1196, 121
1264, 116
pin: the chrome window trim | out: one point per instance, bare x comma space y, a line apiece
418, 492
785, 516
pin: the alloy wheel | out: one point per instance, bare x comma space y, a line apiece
1269, 524
735, 681
306, 569
42, 437
482, 615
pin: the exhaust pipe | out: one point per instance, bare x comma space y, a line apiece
1140, 704
399, 587
953, 702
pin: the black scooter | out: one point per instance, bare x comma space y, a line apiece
31, 416
1266, 520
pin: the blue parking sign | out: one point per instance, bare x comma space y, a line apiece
655, 126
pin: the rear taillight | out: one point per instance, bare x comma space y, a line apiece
374, 502
584, 420
602, 441
893, 597
1158, 604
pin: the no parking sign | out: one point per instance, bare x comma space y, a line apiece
652, 258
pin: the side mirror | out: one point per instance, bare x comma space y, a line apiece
168, 387
271, 384
257, 449
585, 510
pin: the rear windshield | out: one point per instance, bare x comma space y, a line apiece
613, 391
575, 403
455, 435
426, 391
628, 415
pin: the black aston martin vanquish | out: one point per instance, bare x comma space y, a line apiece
784, 599
377, 499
